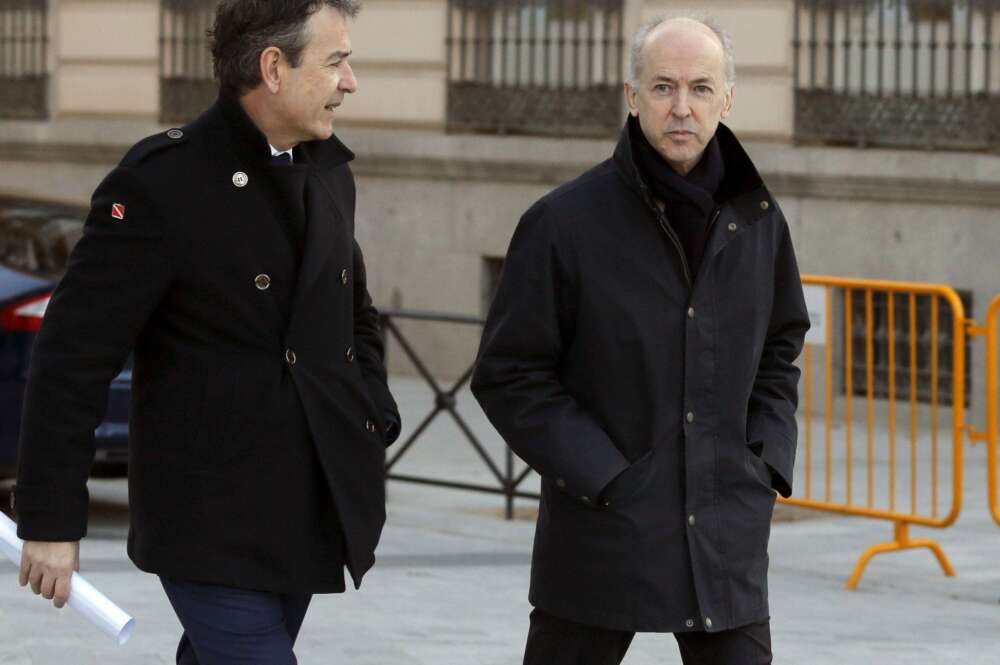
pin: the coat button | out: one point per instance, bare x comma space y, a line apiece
691, 520
560, 483
263, 282
708, 622
175, 134
349, 354
605, 502
689, 623
370, 426
764, 205
690, 312
343, 276
240, 179
585, 499
690, 416
290, 357
732, 226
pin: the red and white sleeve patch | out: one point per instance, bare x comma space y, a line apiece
118, 211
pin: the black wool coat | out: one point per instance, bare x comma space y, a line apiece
603, 356
259, 398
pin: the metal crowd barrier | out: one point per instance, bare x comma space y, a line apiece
991, 435
508, 481
882, 407
898, 376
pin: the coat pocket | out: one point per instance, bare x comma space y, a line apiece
632, 481
757, 467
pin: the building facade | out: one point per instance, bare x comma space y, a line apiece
873, 121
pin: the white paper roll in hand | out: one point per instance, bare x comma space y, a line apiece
83, 597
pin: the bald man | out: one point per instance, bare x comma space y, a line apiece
639, 355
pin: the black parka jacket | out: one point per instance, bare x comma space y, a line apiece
259, 397
602, 356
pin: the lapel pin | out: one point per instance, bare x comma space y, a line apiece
240, 179
118, 211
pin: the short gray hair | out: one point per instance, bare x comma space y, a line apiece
636, 60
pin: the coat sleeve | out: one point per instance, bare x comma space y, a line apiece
371, 350
517, 378
771, 418
115, 278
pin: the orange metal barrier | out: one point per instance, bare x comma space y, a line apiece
858, 468
991, 436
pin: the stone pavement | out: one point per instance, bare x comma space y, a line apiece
450, 585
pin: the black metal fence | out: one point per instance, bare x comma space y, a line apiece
24, 38
508, 479
899, 73
550, 67
187, 86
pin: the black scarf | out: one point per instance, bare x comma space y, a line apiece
690, 201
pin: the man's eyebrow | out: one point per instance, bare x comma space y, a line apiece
338, 55
701, 80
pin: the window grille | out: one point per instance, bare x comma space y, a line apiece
187, 83
551, 67
901, 325
897, 73
24, 79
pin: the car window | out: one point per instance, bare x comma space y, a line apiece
37, 238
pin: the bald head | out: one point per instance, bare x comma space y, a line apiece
660, 30
681, 87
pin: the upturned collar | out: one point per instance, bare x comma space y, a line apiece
253, 145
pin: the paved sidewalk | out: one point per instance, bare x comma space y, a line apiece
450, 585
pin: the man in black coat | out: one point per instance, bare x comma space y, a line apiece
222, 255
639, 355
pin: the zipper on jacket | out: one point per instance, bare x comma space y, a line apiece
665, 227
715, 218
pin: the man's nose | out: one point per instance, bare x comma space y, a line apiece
681, 109
348, 82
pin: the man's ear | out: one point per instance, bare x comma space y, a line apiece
630, 99
727, 106
270, 72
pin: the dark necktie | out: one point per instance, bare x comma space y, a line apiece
284, 159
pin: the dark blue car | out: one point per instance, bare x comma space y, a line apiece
35, 242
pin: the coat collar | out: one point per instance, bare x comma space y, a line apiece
252, 145
741, 187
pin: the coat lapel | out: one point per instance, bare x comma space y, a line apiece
736, 217
324, 220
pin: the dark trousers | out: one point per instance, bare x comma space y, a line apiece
554, 641
226, 626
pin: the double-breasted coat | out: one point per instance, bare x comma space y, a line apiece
260, 406
602, 355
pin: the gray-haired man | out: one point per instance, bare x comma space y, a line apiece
222, 254
639, 355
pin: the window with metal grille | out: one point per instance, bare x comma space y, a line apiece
24, 79
551, 67
930, 323
900, 73
187, 83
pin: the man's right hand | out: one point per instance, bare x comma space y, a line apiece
49, 567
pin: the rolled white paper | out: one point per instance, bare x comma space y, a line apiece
83, 597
